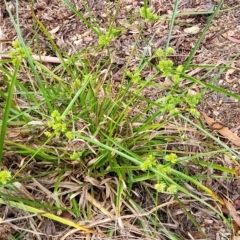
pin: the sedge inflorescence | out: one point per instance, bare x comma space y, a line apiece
58, 125
162, 185
5, 177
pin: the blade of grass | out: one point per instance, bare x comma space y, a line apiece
90, 25
48, 215
174, 14
210, 135
58, 52
26, 51
7, 110
213, 87
28, 202
193, 52
80, 91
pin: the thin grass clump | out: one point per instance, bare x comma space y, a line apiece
115, 156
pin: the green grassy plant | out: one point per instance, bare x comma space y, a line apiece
83, 115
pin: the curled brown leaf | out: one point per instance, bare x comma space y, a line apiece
224, 131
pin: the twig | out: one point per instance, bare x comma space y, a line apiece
41, 58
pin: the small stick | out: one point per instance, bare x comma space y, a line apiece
38, 58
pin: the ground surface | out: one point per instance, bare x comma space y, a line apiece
220, 45
71, 35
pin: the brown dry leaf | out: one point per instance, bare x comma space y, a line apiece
229, 72
196, 234
222, 130
232, 211
231, 34
232, 39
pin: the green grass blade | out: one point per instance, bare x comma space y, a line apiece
174, 14
94, 29
193, 52
7, 110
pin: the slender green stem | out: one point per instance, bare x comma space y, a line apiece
7, 109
